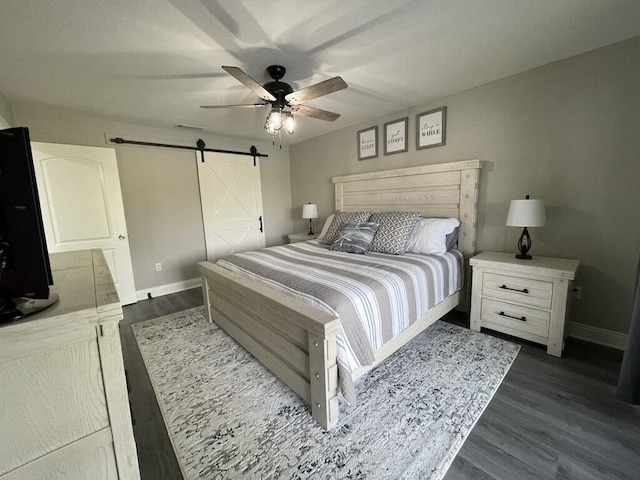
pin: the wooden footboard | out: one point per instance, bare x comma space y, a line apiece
295, 341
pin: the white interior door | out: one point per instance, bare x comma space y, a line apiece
81, 203
231, 197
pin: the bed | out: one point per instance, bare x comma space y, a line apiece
298, 342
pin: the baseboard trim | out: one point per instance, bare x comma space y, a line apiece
597, 335
168, 288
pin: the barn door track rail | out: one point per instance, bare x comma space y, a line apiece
200, 147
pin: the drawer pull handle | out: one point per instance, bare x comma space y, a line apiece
523, 319
524, 290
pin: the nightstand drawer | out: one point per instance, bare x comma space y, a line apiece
519, 290
516, 317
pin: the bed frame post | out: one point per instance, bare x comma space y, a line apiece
469, 184
468, 210
338, 196
205, 297
323, 376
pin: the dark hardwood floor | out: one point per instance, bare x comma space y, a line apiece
550, 419
155, 453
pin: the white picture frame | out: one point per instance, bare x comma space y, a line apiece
431, 128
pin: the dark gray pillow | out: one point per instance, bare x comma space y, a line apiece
339, 219
452, 239
394, 230
355, 237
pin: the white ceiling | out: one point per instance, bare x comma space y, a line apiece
153, 62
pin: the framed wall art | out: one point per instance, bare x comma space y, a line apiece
368, 143
395, 136
431, 128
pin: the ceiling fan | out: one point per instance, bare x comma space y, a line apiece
283, 100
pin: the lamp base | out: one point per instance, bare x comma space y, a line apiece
310, 232
524, 244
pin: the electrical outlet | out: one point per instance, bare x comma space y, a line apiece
577, 292
158, 267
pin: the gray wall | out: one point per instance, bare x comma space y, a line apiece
6, 114
566, 133
160, 188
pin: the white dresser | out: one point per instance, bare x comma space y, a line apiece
64, 409
523, 298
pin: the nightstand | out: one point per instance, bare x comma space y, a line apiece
302, 237
524, 298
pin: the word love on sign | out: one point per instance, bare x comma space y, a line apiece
430, 128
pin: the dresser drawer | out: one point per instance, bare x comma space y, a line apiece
516, 317
523, 291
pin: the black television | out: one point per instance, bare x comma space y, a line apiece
25, 271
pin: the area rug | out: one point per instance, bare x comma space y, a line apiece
230, 417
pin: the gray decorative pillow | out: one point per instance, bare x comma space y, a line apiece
452, 239
339, 219
355, 237
394, 230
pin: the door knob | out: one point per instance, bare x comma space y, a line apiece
121, 237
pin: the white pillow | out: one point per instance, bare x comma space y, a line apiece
430, 235
326, 226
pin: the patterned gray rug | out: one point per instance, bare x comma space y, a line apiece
229, 417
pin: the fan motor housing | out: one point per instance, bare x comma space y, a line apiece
278, 89
276, 71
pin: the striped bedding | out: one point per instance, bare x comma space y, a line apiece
376, 296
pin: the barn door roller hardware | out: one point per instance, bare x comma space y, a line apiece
200, 147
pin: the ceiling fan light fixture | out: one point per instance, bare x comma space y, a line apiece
268, 126
289, 123
274, 119
281, 96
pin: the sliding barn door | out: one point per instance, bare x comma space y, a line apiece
81, 201
231, 198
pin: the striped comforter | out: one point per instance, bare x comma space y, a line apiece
376, 296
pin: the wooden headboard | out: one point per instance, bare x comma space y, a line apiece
440, 190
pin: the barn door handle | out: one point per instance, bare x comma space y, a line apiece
260, 220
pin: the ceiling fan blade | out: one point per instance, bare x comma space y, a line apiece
249, 82
316, 90
244, 105
314, 113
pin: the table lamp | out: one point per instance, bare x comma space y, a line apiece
526, 213
310, 211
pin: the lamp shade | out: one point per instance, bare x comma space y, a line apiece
526, 213
310, 210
